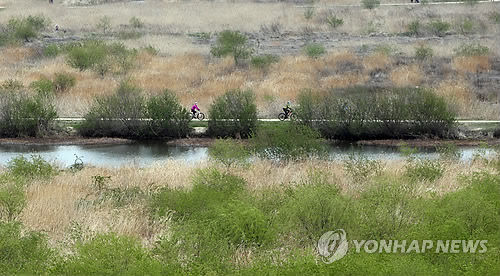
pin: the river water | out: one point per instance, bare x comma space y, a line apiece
143, 154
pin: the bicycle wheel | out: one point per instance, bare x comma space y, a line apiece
201, 116
282, 116
293, 117
189, 117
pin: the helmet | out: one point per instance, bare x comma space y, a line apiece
195, 102
288, 102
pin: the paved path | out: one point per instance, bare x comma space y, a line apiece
79, 119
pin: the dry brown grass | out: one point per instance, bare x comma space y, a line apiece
471, 64
377, 61
407, 75
55, 205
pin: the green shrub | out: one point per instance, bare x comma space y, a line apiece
27, 28
100, 57
465, 26
263, 62
35, 167
240, 223
116, 115
43, 86
424, 169
231, 43
360, 168
104, 24
233, 114
229, 152
23, 252
63, 82
333, 21
26, 115
12, 198
314, 50
414, 27
87, 55
136, 22
51, 50
384, 209
439, 27
309, 13
367, 113
288, 141
211, 188
110, 254
423, 52
370, 4
471, 50
314, 207
168, 117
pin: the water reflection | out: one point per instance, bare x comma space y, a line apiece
145, 153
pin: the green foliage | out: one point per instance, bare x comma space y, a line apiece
110, 254
419, 169
210, 189
229, 152
385, 209
12, 198
136, 22
116, 115
288, 141
360, 168
23, 252
333, 21
370, 4
26, 28
314, 50
122, 114
423, 52
43, 86
465, 26
104, 24
33, 168
439, 27
87, 55
366, 113
309, 13
313, 208
22, 114
263, 62
52, 50
168, 117
100, 57
414, 27
472, 49
204, 36
231, 43
233, 114
62, 82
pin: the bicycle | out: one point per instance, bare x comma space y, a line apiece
197, 115
292, 116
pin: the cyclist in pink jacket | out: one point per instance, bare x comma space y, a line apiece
194, 108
